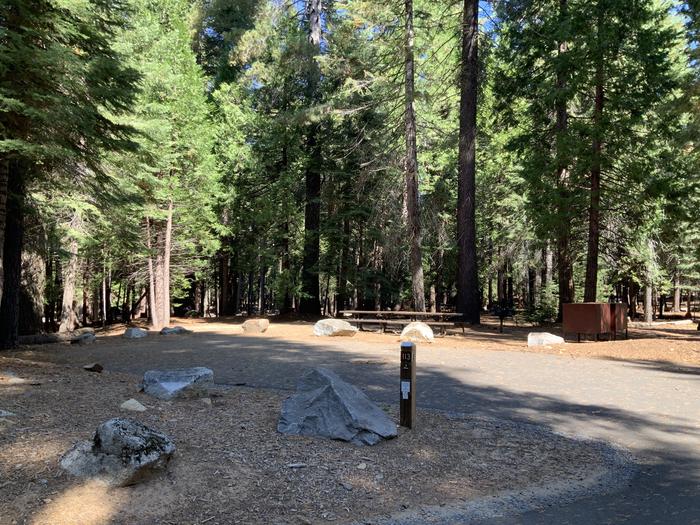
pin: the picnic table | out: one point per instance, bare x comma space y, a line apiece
385, 318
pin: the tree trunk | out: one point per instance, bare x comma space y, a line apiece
310, 300
155, 313
591, 286
68, 318
343, 267
565, 269
4, 167
648, 303
85, 294
468, 299
676, 293
167, 248
531, 286
224, 288
261, 291
12, 257
411, 167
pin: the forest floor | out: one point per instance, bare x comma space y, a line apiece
231, 466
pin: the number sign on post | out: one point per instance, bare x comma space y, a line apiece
407, 401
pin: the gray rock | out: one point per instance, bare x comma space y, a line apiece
334, 328
6, 413
178, 383
84, 339
132, 405
135, 333
256, 326
94, 367
417, 332
326, 406
175, 330
543, 339
123, 452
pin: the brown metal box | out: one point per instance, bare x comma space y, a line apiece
595, 318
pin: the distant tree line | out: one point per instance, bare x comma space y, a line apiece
208, 157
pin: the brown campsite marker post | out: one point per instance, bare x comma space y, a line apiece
407, 398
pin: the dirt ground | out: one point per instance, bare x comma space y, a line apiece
671, 344
231, 466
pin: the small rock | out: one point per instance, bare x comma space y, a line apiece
206, 401
334, 328
346, 486
362, 466
256, 326
296, 465
133, 405
417, 332
175, 330
6, 413
84, 339
543, 339
94, 367
134, 333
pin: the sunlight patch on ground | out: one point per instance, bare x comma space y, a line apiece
87, 504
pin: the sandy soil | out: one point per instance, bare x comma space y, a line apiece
231, 466
671, 344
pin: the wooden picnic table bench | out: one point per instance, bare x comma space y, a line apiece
383, 318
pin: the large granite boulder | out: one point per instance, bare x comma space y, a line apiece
543, 339
122, 452
417, 332
135, 333
178, 383
256, 326
334, 328
326, 406
174, 330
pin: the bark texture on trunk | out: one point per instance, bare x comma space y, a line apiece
676, 293
310, 301
468, 298
162, 269
4, 167
69, 319
167, 249
152, 303
648, 303
411, 169
12, 257
591, 285
565, 267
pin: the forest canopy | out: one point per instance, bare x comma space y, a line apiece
215, 157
